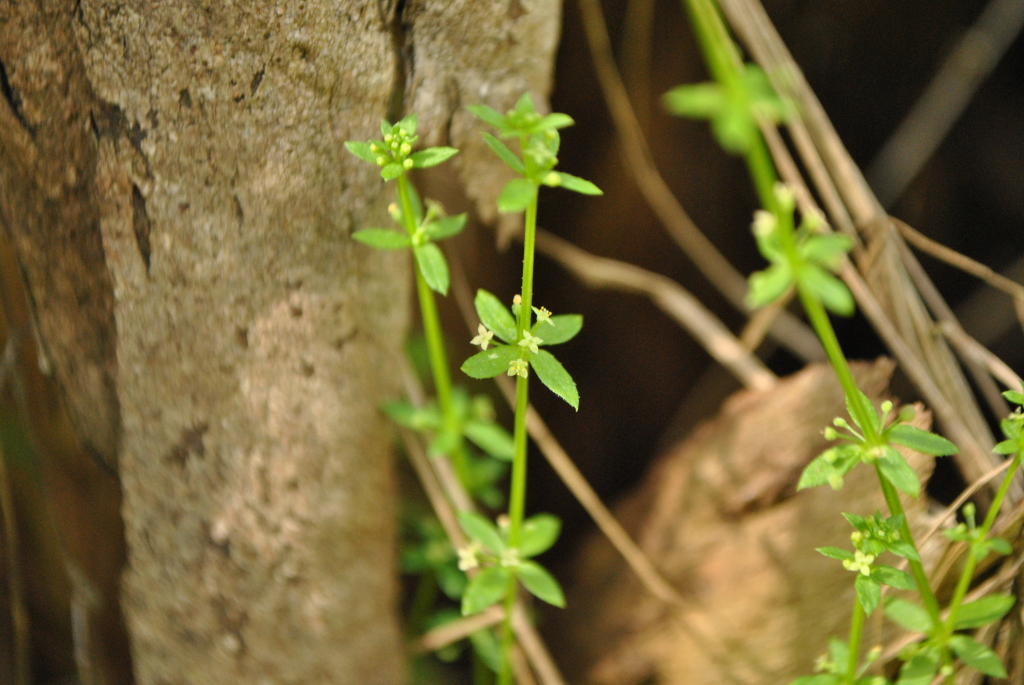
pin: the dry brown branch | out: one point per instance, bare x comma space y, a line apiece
761, 321
942, 311
971, 348
960, 261
445, 635
670, 297
929, 121
895, 297
787, 330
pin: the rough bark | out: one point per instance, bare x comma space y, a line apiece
174, 178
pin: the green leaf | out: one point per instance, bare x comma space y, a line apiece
920, 670
491, 438
1014, 396
495, 315
488, 588
1007, 447
868, 409
826, 249
984, 611
538, 534
552, 374
444, 443
898, 472
415, 418
908, 615
489, 363
869, 592
362, 151
488, 648
505, 154
446, 227
903, 549
408, 124
390, 171
975, 654
555, 120
489, 116
432, 156
821, 679
1000, 546
829, 467
540, 583
696, 101
478, 528
562, 328
430, 261
769, 285
383, 238
517, 194
920, 440
822, 285
893, 577
838, 651
401, 413
835, 553
577, 184
735, 127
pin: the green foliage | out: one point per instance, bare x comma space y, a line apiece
394, 153
523, 351
395, 157
501, 562
832, 465
804, 259
733, 108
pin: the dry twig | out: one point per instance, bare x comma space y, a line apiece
670, 297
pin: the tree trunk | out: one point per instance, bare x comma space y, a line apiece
173, 177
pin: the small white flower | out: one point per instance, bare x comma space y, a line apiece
504, 521
765, 223
484, 338
530, 341
509, 557
543, 315
467, 557
785, 195
518, 367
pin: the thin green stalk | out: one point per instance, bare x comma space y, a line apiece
434, 337
823, 327
517, 494
972, 558
856, 632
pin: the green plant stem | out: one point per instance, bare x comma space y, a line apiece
967, 574
517, 494
856, 631
435, 339
818, 317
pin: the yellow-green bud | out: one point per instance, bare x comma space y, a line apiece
407, 164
